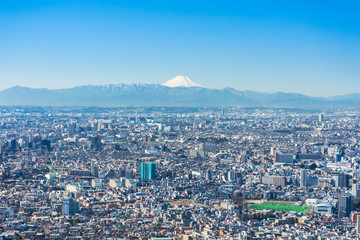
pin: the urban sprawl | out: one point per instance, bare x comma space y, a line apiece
179, 173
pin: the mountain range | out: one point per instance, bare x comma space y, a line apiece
180, 91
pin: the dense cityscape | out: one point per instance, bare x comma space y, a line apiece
179, 120
179, 173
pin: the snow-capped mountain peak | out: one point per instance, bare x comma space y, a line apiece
181, 81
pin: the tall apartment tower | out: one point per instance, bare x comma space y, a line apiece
303, 178
148, 171
70, 206
342, 180
208, 175
152, 170
345, 205
143, 170
94, 171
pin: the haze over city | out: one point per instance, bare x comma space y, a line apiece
267, 46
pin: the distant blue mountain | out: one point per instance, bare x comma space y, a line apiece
159, 95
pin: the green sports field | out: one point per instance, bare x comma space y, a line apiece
280, 207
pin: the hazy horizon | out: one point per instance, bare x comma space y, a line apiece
244, 90
293, 47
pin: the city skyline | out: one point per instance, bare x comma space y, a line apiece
297, 47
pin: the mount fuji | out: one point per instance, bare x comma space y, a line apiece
181, 81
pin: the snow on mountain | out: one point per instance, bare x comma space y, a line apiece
181, 81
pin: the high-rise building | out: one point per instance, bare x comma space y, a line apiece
338, 157
342, 180
358, 225
231, 176
129, 173
152, 170
94, 171
46, 144
144, 170
239, 177
189, 176
208, 175
13, 144
355, 190
321, 117
345, 205
272, 151
96, 142
70, 206
303, 178
148, 171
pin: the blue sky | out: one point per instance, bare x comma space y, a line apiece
310, 47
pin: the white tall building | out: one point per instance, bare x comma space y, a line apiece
355, 190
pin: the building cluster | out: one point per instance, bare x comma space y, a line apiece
179, 173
